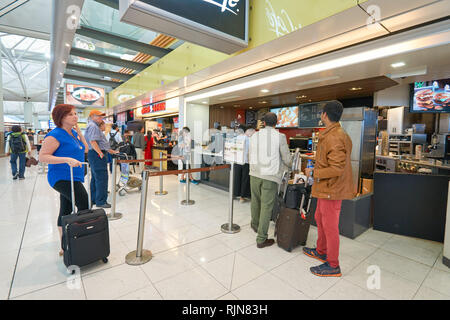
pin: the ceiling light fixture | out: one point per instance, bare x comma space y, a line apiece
355, 89
301, 97
397, 64
265, 90
262, 102
352, 59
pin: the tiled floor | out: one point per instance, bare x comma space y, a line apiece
193, 259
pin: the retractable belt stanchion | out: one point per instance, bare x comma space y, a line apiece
187, 202
161, 188
114, 215
230, 227
141, 256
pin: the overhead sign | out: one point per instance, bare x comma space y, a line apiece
221, 25
157, 107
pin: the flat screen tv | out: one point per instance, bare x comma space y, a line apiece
430, 96
287, 116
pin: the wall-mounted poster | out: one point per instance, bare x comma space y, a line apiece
250, 117
82, 95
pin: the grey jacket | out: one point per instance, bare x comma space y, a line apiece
282, 155
139, 140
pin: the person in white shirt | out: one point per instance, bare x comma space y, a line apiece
269, 156
241, 170
115, 133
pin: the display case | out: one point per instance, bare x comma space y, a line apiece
405, 143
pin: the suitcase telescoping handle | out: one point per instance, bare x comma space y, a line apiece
72, 188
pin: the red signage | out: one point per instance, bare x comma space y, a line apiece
154, 108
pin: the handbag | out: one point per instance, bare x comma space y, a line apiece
31, 162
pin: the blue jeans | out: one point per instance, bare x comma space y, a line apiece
99, 179
22, 160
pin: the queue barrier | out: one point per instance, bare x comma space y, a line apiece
140, 255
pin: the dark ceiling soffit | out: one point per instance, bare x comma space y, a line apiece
108, 59
122, 42
92, 80
110, 3
100, 72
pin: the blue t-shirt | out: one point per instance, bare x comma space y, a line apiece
68, 147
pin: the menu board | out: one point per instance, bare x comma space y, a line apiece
309, 115
431, 96
286, 117
84, 95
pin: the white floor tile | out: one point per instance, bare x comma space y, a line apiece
409, 269
147, 293
228, 296
195, 284
222, 269
296, 272
345, 290
244, 271
374, 237
422, 251
6, 272
211, 254
59, 292
114, 282
392, 287
426, 293
268, 257
439, 281
268, 287
440, 265
166, 265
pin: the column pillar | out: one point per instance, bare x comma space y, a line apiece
2, 120
28, 113
36, 124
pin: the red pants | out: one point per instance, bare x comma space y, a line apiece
327, 219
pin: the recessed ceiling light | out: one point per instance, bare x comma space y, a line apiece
355, 89
397, 64
262, 102
204, 102
236, 105
67, 45
251, 108
221, 107
301, 97
265, 90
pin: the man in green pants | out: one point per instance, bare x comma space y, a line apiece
269, 156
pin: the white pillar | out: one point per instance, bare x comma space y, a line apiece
28, 112
2, 120
36, 123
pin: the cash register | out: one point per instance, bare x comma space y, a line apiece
302, 143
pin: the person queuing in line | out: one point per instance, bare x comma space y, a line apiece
127, 136
139, 145
102, 127
62, 148
17, 146
184, 149
149, 148
98, 148
115, 138
241, 170
269, 156
332, 183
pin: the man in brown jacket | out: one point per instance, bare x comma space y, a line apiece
332, 184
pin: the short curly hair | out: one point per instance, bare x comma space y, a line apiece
59, 112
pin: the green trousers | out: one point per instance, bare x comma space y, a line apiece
263, 198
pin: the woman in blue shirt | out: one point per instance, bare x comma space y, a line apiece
65, 146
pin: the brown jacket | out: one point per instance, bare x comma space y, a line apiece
333, 170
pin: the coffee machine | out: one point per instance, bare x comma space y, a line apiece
440, 146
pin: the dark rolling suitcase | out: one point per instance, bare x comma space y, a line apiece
292, 226
279, 204
85, 237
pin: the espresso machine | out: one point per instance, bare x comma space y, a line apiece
440, 146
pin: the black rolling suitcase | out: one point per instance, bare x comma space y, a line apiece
279, 203
85, 237
292, 225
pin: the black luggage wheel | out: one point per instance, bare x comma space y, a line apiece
105, 260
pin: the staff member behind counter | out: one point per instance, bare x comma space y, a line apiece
98, 147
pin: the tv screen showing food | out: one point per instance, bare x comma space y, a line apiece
287, 117
85, 95
430, 96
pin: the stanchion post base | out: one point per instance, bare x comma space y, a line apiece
159, 193
187, 202
131, 258
226, 228
116, 216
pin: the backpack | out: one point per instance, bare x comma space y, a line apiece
17, 143
112, 141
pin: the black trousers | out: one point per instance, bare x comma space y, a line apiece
81, 198
242, 180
